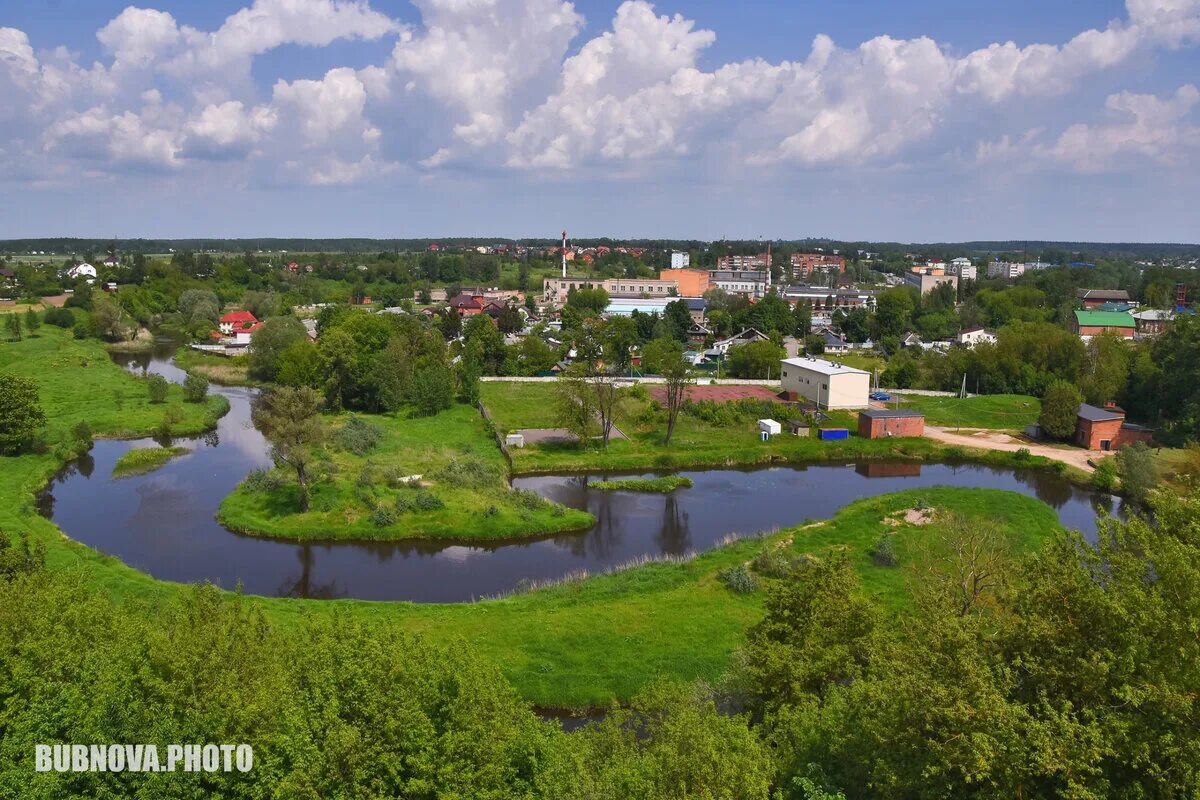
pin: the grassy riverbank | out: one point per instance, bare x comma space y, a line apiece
438, 477
144, 459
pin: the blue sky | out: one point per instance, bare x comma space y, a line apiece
920, 121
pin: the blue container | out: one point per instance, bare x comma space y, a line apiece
834, 434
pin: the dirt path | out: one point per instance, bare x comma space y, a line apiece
997, 440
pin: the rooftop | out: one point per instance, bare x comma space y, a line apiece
1103, 294
824, 367
1096, 414
1105, 319
890, 413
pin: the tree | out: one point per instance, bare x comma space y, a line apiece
470, 367
589, 302
1060, 410
678, 319
432, 388
755, 360
969, 560
108, 319
195, 387
290, 420
857, 325
269, 341
814, 345
1105, 368
665, 357
14, 327
196, 305
300, 364
893, 311
1138, 472
156, 386
21, 415
575, 404
33, 321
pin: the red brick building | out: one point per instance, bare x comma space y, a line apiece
803, 264
1106, 429
890, 422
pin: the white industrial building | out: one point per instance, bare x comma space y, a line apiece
829, 384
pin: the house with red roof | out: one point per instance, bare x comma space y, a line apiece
235, 321
465, 305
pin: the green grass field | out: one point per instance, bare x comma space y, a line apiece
998, 411
144, 459
458, 462
220, 370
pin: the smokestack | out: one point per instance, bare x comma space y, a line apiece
564, 253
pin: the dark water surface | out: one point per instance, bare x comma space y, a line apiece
163, 522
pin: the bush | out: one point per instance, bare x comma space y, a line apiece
383, 516
772, 562
81, 432
738, 579
262, 480
527, 499
883, 552
366, 476
157, 386
1138, 472
80, 331
195, 388
468, 472
419, 500
358, 436
1023, 455
60, 318
1105, 476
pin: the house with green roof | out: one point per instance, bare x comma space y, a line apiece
1093, 323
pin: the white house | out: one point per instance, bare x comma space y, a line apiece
84, 270
829, 384
969, 337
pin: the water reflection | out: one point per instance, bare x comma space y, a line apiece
163, 522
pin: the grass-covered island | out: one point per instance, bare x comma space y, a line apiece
395, 476
663, 485
145, 459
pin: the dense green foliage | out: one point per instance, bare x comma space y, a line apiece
21, 414
1060, 409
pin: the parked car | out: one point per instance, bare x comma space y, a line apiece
882, 397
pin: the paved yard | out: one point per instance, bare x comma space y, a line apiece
996, 440
719, 394
559, 435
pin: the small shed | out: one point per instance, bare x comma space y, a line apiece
514, 440
884, 423
770, 427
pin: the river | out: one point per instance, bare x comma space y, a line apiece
163, 522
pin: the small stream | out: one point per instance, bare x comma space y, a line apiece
163, 522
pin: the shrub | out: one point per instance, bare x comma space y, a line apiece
358, 436
527, 499
60, 318
157, 386
195, 388
771, 562
1105, 476
468, 472
366, 476
80, 330
1138, 472
419, 500
262, 480
738, 579
82, 432
1023, 455
383, 516
883, 552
